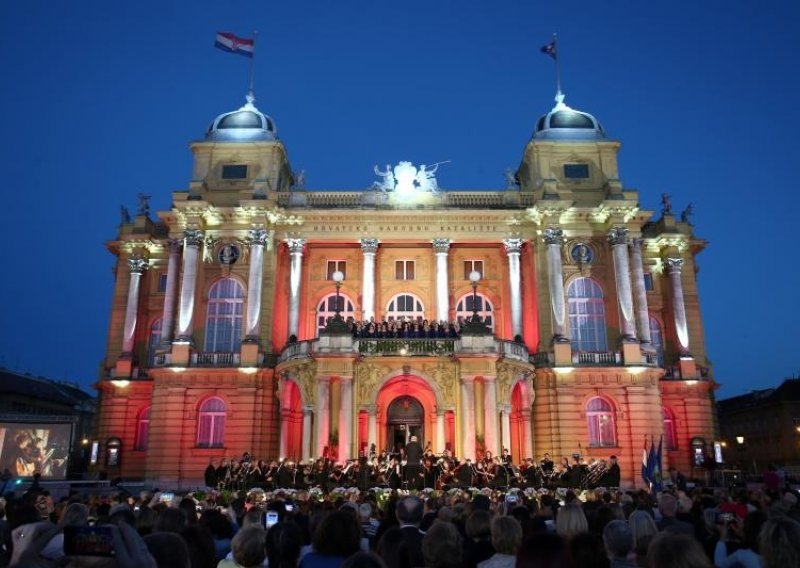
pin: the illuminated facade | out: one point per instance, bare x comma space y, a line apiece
219, 343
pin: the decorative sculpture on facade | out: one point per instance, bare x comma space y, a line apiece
144, 205
666, 204
686, 214
512, 184
405, 177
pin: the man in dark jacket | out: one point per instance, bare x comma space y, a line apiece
409, 513
210, 475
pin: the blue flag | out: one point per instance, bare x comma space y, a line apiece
645, 469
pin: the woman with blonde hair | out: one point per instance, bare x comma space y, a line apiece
644, 529
571, 521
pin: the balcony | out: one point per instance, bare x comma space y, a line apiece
403, 347
597, 358
215, 359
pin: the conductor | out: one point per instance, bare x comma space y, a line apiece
414, 475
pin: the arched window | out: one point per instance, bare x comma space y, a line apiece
587, 316
657, 339
670, 436
600, 420
143, 430
327, 310
405, 306
224, 316
464, 309
211, 423
155, 341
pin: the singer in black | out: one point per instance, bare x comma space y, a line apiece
414, 464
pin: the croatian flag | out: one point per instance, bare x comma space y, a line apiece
235, 44
550, 49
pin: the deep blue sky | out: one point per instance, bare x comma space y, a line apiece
100, 100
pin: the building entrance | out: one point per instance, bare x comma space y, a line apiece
405, 417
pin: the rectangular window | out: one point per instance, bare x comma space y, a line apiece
234, 171
333, 266
162, 282
648, 281
470, 265
404, 270
576, 171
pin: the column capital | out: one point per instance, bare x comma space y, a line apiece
296, 246
489, 378
345, 378
441, 245
372, 409
637, 244
618, 236
193, 237
174, 245
441, 411
257, 236
308, 409
504, 408
553, 236
674, 264
369, 245
467, 380
138, 264
513, 246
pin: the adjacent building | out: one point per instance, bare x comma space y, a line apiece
225, 332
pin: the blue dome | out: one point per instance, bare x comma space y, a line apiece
565, 123
247, 124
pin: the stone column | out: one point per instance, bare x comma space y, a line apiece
307, 411
639, 290
554, 239
137, 265
513, 248
346, 419
490, 415
369, 248
468, 418
527, 434
323, 419
372, 428
441, 442
674, 266
505, 424
286, 415
618, 237
168, 316
295, 272
256, 238
441, 247
192, 240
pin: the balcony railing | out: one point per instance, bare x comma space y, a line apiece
215, 359
297, 350
542, 359
599, 358
434, 347
512, 350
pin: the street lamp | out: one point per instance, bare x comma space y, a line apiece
336, 324
475, 325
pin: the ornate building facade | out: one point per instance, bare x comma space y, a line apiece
225, 332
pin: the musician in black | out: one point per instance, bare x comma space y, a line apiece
466, 474
532, 475
506, 457
210, 475
547, 465
613, 474
285, 475
413, 455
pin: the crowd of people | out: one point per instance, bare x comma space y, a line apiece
400, 529
405, 328
416, 468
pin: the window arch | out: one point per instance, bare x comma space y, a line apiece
587, 316
657, 340
406, 306
211, 423
143, 429
670, 435
155, 341
600, 421
464, 309
224, 316
327, 309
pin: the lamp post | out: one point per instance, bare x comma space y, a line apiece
475, 326
336, 324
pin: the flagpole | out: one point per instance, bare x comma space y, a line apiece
559, 94
251, 90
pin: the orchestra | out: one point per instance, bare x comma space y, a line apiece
416, 469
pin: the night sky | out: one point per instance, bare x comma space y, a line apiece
101, 99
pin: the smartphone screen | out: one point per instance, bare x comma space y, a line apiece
289, 507
88, 541
167, 497
271, 518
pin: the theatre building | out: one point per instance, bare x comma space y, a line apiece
580, 321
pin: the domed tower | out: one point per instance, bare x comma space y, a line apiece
241, 158
569, 157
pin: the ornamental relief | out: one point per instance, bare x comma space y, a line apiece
367, 377
507, 376
304, 375
445, 375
